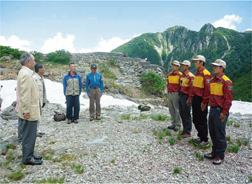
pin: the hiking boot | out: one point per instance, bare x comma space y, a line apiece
92, 118
209, 156
218, 161
176, 128
203, 143
69, 121
186, 135
196, 140
75, 121
98, 118
39, 134
171, 127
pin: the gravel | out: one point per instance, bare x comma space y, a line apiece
124, 151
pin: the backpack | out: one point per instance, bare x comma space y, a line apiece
144, 107
59, 116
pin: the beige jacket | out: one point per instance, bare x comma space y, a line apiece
28, 95
41, 86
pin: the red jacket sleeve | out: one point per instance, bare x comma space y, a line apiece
206, 95
228, 96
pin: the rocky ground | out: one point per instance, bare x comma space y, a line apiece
122, 148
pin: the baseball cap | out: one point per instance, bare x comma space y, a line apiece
186, 62
199, 57
175, 62
93, 66
219, 62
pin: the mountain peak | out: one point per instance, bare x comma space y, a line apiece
209, 28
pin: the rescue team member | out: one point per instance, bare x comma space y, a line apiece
221, 96
72, 89
186, 81
200, 96
94, 89
173, 86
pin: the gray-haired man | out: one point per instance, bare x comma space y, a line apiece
29, 109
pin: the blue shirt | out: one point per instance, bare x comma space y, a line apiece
94, 81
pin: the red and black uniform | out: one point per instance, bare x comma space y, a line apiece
173, 86
221, 96
200, 94
173, 81
186, 81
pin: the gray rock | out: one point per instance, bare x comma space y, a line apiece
5, 58
10, 113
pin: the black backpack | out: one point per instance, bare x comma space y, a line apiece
144, 107
59, 116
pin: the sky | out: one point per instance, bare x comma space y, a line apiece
101, 26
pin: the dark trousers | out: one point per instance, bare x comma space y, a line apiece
200, 118
20, 129
185, 113
28, 139
217, 130
73, 104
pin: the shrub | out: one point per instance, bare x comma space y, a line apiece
59, 56
6, 51
152, 83
38, 55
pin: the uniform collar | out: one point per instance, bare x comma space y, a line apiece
28, 69
176, 72
186, 73
221, 75
71, 75
202, 69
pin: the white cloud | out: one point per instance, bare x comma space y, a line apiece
228, 21
16, 42
107, 45
58, 43
248, 29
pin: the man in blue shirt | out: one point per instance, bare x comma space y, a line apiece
72, 90
94, 89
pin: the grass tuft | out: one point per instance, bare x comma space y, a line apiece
236, 125
68, 157
199, 156
113, 161
176, 170
193, 143
179, 137
159, 117
125, 116
229, 123
18, 175
172, 141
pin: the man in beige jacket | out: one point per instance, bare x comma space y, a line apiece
29, 109
39, 80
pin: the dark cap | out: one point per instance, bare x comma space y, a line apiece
93, 66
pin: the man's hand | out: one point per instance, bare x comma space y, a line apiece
43, 105
203, 106
188, 102
89, 95
223, 117
26, 115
